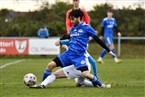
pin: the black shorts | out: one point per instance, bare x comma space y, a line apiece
58, 62
85, 68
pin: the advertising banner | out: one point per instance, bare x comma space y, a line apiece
13, 46
43, 47
28, 46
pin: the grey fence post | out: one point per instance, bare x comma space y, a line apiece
119, 46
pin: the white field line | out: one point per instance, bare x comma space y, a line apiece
11, 63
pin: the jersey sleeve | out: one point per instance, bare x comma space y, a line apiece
64, 42
68, 22
91, 32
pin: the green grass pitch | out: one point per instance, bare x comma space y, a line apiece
127, 79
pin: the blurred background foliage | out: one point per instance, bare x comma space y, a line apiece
131, 22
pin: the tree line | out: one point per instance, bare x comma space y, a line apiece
131, 22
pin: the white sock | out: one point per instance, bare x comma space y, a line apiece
115, 58
87, 83
100, 58
48, 80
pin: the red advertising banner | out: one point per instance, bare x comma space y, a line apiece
13, 46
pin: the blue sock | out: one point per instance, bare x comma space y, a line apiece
113, 52
94, 65
96, 82
103, 53
46, 73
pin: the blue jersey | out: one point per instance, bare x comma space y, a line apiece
108, 25
43, 33
79, 36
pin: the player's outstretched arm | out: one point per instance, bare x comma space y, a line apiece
63, 40
101, 43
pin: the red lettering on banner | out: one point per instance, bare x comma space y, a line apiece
13, 46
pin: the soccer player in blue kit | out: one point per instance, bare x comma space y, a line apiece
79, 36
108, 25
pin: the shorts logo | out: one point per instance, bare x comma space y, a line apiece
83, 62
67, 72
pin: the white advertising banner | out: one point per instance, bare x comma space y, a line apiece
43, 47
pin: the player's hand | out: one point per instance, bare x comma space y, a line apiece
119, 34
96, 31
90, 38
64, 47
101, 37
112, 53
57, 42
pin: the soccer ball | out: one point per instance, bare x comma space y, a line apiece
29, 79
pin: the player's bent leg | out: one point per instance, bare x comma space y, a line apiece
87, 83
48, 77
51, 78
71, 72
51, 65
95, 81
48, 70
48, 80
54, 63
92, 78
59, 73
79, 81
83, 82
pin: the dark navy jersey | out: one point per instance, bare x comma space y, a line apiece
79, 36
108, 24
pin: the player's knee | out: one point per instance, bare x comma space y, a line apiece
56, 75
86, 74
59, 74
51, 65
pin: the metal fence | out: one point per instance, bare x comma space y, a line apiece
126, 38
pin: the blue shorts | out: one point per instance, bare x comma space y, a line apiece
68, 59
108, 40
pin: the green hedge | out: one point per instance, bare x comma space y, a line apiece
131, 22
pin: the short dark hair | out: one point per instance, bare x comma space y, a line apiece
110, 10
76, 13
